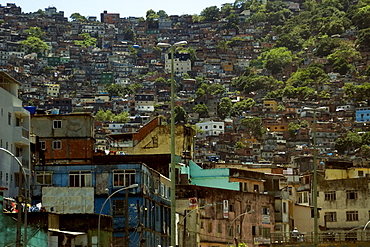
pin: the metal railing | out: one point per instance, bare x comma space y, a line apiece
323, 237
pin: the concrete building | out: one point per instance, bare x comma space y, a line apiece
363, 114
82, 189
182, 63
232, 204
14, 134
210, 128
65, 139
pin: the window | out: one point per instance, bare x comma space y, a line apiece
57, 124
231, 207
254, 230
360, 173
238, 228
352, 215
79, 179
330, 196
265, 211
9, 118
123, 177
209, 227
266, 232
284, 208
219, 228
119, 207
331, 216
351, 194
43, 145
256, 188
219, 207
43, 177
57, 145
231, 231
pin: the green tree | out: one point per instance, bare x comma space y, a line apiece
240, 107
196, 18
135, 87
151, 19
224, 107
325, 45
227, 9
162, 14
181, 116
200, 92
216, 89
363, 37
276, 59
349, 90
254, 127
210, 13
258, 17
362, 16
115, 90
342, 66
122, 117
104, 116
34, 45
78, 17
293, 129
223, 45
232, 21
129, 34
239, 145
202, 110
349, 143
35, 32
367, 71
87, 41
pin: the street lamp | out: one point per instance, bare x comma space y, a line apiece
26, 194
106, 200
188, 214
237, 217
173, 165
315, 215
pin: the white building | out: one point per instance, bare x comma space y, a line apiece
181, 63
14, 134
210, 128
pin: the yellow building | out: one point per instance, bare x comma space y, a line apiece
154, 138
270, 105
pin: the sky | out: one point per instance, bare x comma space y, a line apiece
125, 8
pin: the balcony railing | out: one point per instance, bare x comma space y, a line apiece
334, 236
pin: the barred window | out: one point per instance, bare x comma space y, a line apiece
330, 195
331, 216
43, 177
80, 179
119, 207
124, 177
352, 215
351, 194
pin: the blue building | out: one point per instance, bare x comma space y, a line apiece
363, 114
143, 212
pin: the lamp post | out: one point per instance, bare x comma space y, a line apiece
237, 217
26, 195
188, 214
173, 165
106, 200
314, 196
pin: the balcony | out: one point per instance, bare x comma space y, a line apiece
332, 237
21, 136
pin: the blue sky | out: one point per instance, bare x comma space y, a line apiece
125, 8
